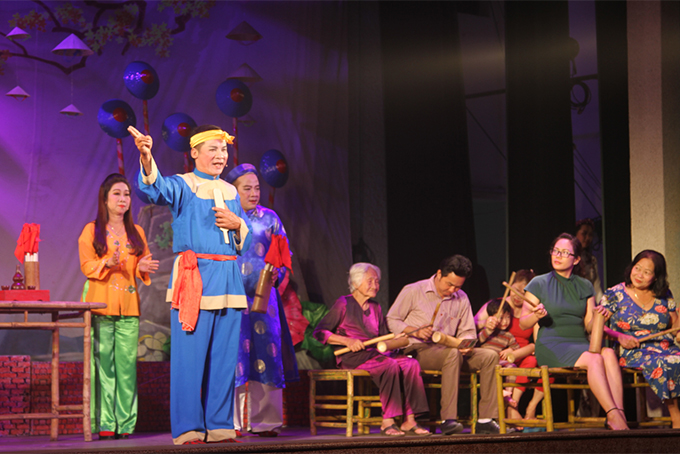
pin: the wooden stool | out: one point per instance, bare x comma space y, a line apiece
359, 387
634, 379
576, 379
432, 380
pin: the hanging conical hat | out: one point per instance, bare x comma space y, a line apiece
72, 46
71, 111
18, 93
17, 33
245, 74
244, 33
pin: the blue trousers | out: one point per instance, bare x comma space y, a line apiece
202, 366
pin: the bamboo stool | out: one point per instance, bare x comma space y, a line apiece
634, 379
468, 380
359, 388
576, 379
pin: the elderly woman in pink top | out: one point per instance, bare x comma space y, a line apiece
356, 318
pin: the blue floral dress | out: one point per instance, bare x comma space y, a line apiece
659, 358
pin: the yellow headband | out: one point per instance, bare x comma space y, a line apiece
209, 135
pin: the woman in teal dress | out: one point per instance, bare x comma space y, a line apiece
640, 306
564, 311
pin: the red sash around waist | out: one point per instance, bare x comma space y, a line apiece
188, 286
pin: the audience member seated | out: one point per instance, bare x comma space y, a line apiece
643, 305
564, 310
524, 356
357, 318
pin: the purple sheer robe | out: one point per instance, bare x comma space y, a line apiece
347, 318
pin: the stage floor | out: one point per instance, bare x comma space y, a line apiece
298, 439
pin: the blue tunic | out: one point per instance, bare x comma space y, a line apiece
266, 353
561, 336
191, 199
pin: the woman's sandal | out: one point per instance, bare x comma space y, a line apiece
606, 418
417, 430
392, 427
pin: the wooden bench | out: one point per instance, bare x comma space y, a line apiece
571, 379
361, 396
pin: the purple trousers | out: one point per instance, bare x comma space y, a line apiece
391, 374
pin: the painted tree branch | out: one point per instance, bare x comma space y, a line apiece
132, 27
65, 69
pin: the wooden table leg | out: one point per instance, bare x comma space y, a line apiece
54, 423
87, 347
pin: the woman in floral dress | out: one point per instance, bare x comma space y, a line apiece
644, 305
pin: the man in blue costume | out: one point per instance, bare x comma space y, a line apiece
209, 230
266, 357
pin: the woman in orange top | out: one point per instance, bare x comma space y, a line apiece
113, 253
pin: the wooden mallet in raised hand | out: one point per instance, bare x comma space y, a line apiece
516, 292
505, 295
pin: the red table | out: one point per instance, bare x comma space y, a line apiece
60, 310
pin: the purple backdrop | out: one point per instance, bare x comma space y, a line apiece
52, 165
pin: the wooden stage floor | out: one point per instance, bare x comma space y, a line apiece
298, 439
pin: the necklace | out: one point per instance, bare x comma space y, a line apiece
643, 304
115, 232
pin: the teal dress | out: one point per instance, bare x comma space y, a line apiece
562, 338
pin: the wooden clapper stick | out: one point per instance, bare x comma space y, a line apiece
375, 340
505, 295
516, 292
660, 333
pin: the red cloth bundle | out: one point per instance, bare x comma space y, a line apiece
28, 241
278, 254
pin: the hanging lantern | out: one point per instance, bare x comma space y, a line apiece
244, 33
245, 74
17, 34
73, 47
18, 93
71, 111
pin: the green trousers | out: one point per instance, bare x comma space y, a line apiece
114, 373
